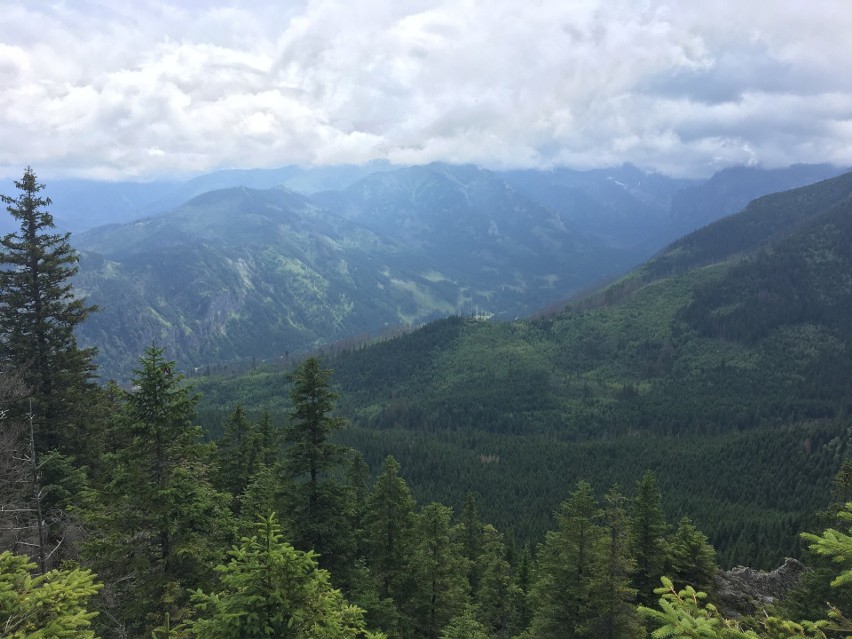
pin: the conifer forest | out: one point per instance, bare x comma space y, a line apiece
592, 471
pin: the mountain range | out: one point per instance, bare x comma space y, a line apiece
243, 272
722, 363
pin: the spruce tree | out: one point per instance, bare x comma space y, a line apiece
54, 604
647, 538
157, 525
237, 451
692, 558
496, 593
570, 565
270, 589
439, 569
613, 595
311, 464
38, 314
388, 545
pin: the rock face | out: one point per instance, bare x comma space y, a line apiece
743, 591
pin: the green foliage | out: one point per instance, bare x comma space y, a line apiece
569, 566
315, 495
613, 593
39, 313
836, 545
48, 606
439, 573
683, 615
465, 626
157, 523
270, 589
692, 559
388, 541
647, 536
496, 595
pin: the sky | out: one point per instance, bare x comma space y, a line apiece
150, 90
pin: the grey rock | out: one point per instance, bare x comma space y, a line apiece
744, 591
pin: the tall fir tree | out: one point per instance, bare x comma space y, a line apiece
647, 538
39, 312
158, 525
388, 541
570, 564
692, 560
613, 595
439, 569
496, 593
313, 465
270, 589
237, 452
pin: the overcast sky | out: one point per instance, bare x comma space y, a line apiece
143, 90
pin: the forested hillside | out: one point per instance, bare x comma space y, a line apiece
119, 517
730, 349
234, 266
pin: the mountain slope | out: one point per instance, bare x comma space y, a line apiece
474, 227
641, 352
242, 273
730, 376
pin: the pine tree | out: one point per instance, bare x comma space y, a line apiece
647, 538
54, 604
570, 564
616, 615
439, 569
158, 524
38, 314
316, 496
270, 589
692, 558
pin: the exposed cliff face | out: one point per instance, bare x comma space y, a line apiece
744, 591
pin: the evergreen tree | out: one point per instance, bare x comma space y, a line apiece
51, 605
647, 538
260, 498
268, 441
807, 600
612, 593
270, 589
570, 564
237, 452
38, 315
316, 510
496, 594
388, 528
465, 626
692, 558
439, 569
158, 524
469, 518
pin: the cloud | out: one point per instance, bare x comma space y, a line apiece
175, 88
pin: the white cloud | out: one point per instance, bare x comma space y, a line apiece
159, 88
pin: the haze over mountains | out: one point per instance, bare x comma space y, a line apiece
248, 268
722, 363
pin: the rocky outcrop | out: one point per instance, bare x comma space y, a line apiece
744, 591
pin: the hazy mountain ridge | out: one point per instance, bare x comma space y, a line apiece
729, 375
395, 247
653, 336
